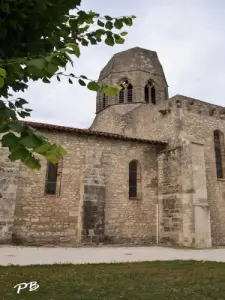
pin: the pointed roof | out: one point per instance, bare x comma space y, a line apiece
132, 60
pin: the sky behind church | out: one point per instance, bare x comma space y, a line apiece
189, 37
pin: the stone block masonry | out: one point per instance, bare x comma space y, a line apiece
92, 204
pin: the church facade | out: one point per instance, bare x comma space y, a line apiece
150, 170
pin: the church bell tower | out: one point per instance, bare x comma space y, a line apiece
140, 75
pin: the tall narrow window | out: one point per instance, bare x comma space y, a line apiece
51, 180
147, 93
219, 152
129, 92
134, 179
121, 94
150, 92
104, 101
153, 95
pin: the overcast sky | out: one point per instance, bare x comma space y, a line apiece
189, 37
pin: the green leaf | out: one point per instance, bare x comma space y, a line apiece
70, 81
20, 153
19, 103
84, 42
16, 127
42, 148
38, 63
109, 25
2, 82
81, 82
118, 39
111, 90
2, 72
84, 77
100, 23
9, 140
2, 105
98, 33
32, 162
118, 23
51, 156
128, 21
23, 114
51, 68
93, 86
61, 150
93, 41
4, 128
46, 80
109, 41
30, 141
108, 18
11, 105
124, 33
76, 49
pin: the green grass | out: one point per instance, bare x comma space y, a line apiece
133, 281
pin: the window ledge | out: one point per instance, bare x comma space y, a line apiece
134, 198
220, 179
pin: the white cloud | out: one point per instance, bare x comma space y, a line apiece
189, 38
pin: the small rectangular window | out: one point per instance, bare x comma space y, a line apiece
51, 180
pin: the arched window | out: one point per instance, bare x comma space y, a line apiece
104, 101
153, 95
129, 92
51, 178
126, 92
121, 94
134, 179
147, 93
150, 93
219, 152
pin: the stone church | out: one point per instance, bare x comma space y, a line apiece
150, 170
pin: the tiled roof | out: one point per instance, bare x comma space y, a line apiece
90, 132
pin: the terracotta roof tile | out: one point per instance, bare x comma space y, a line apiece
90, 132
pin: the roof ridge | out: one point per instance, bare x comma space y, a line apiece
90, 132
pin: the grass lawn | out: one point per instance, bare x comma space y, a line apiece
137, 281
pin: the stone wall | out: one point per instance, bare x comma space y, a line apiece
147, 121
53, 219
131, 220
92, 204
94, 195
200, 127
8, 189
169, 196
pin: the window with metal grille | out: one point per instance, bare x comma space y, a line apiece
129, 92
51, 178
133, 179
104, 100
121, 94
218, 136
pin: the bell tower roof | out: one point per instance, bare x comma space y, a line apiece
134, 59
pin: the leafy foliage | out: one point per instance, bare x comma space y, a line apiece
46, 35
